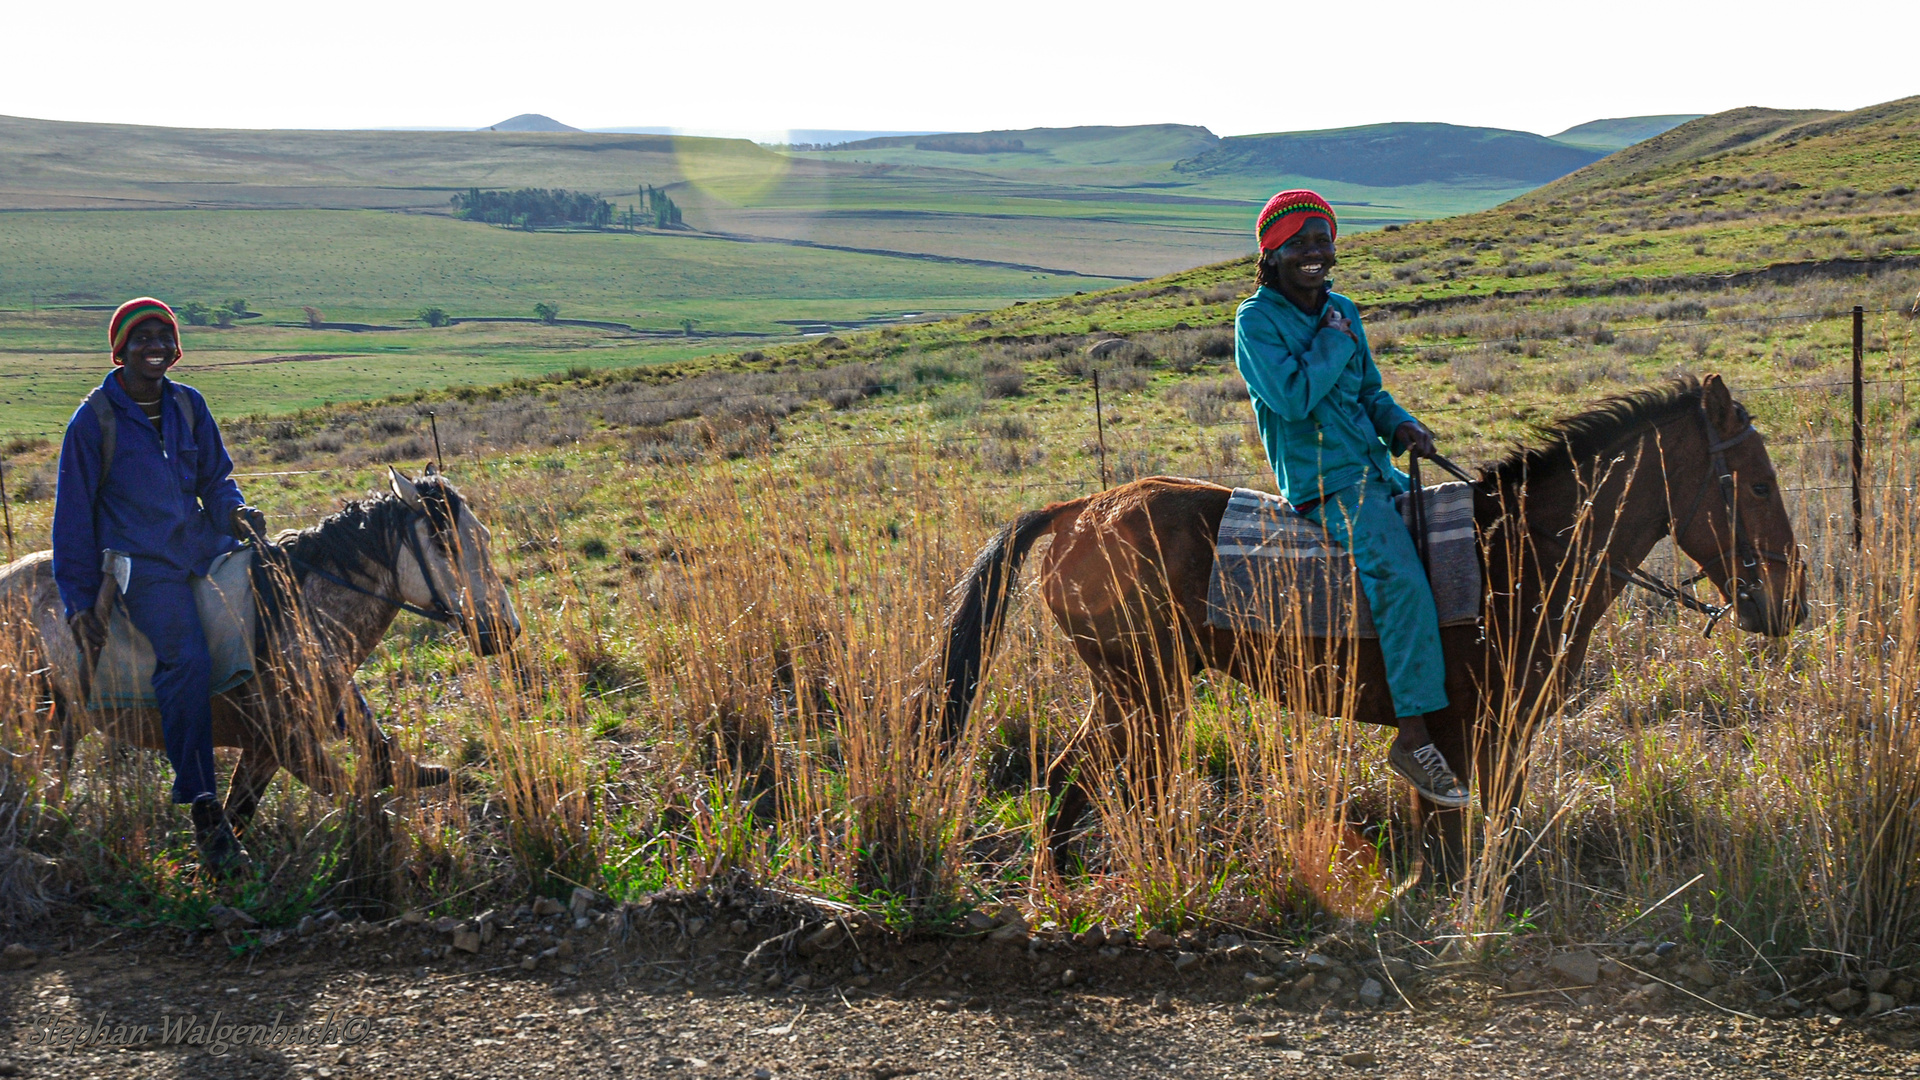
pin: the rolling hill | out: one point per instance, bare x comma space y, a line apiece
1621, 132
1396, 155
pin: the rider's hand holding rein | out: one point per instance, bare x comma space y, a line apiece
1418, 440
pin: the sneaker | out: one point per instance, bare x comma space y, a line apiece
220, 852
1427, 770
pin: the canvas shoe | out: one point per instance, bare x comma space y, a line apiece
1427, 770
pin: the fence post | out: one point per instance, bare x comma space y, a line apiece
1100, 428
1859, 416
6, 513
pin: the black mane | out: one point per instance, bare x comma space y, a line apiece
1586, 435
362, 531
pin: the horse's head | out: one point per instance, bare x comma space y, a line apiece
445, 566
1733, 522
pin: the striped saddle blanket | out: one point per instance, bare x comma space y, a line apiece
1276, 571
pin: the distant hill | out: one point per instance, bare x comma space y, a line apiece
1395, 155
529, 121
1089, 145
1621, 132
1696, 140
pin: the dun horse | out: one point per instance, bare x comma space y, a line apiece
1561, 525
327, 595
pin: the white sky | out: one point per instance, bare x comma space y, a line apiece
757, 67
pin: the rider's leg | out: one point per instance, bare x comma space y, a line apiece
164, 611
1364, 520
182, 679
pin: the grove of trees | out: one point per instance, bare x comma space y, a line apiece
534, 208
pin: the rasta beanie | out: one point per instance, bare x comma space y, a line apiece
133, 313
1285, 213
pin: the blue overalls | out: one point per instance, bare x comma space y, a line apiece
1329, 431
165, 499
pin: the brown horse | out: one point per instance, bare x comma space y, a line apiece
327, 596
1561, 525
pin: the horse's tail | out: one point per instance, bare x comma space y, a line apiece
979, 609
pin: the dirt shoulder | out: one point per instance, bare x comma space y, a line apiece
775, 991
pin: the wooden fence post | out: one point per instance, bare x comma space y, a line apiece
1100, 429
1859, 416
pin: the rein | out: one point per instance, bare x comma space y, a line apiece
441, 611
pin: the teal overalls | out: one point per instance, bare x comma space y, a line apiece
1327, 425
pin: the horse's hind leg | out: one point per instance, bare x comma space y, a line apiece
1088, 750
252, 775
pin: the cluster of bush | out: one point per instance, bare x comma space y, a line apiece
533, 208
198, 314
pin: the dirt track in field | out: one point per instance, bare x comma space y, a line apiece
670, 993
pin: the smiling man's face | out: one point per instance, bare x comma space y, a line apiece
151, 348
1306, 257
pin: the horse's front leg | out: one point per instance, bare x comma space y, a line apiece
1443, 831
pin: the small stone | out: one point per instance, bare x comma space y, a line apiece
582, 902
1069, 977
1268, 1038
1163, 1002
1228, 941
308, 926
225, 918
739, 927
1013, 933
1843, 1000
16, 956
1360, 1059
1877, 980
467, 940
1319, 962
801, 982
1372, 993
546, 906
447, 924
1157, 938
582, 923
412, 917
1581, 968
1332, 984
763, 1074
1185, 960
1305, 983
1878, 1003
529, 963
773, 980
860, 981
981, 921
1665, 947
1259, 984
1092, 937
825, 939
1119, 939
1640, 948
1702, 972
487, 931
1902, 990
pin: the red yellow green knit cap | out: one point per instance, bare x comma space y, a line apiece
1286, 212
133, 313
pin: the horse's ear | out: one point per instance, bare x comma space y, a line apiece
430, 470
1722, 412
403, 487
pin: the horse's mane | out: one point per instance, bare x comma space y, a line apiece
361, 531
1559, 444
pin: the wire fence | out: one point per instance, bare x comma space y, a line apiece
746, 400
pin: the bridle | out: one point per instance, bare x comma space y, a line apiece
441, 612
1748, 554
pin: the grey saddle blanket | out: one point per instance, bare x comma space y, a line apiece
123, 676
1276, 571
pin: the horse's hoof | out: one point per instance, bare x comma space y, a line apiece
220, 852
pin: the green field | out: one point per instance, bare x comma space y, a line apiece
369, 268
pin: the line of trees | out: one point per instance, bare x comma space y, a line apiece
534, 208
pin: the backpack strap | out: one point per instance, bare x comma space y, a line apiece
109, 422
